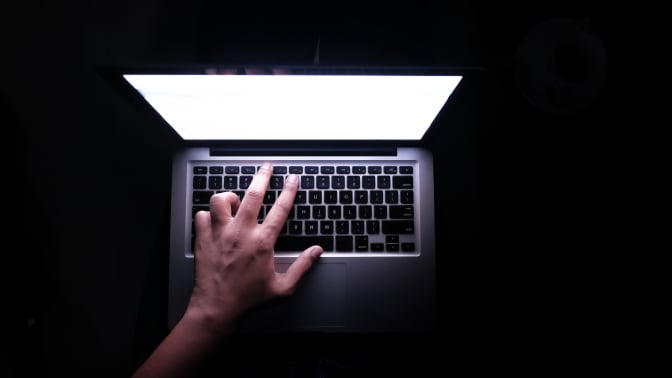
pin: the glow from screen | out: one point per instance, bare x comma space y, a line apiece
290, 107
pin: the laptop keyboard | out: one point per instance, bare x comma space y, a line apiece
346, 207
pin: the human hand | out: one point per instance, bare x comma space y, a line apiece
234, 253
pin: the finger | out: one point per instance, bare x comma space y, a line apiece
223, 207
277, 217
254, 197
202, 228
287, 281
202, 222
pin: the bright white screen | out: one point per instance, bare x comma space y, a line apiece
265, 107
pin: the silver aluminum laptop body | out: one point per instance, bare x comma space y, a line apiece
358, 291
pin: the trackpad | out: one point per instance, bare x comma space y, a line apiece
317, 304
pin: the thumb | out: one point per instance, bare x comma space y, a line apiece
287, 281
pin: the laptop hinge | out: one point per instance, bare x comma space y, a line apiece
300, 151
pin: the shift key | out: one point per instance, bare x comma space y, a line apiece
398, 227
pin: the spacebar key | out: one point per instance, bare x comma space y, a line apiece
299, 243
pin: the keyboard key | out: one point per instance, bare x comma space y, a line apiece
353, 182
392, 247
216, 170
364, 211
344, 244
312, 170
215, 182
231, 182
357, 227
301, 197
338, 182
279, 170
300, 243
311, 227
245, 181
361, 196
390, 170
200, 170
199, 182
361, 243
368, 182
303, 212
373, 227
408, 247
277, 182
402, 182
248, 170
322, 182
383, 182
330, 197
401, 212
406, 196
307, 182
327, 227
314, 197
374, 170
334, 212
376, 196
319, 212
201, 197
232, 170
295, 227
296, 170
327, 170
398, 227
360, 170
345, 196
380, 212
406, 170
342, 170
342, 227
377, 247
269, 197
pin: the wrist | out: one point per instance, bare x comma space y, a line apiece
210, 320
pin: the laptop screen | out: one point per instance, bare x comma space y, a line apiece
296, 107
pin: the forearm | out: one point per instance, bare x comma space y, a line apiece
188, 345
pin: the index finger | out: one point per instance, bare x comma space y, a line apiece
276, 218
254, 197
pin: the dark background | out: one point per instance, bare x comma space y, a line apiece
519, 196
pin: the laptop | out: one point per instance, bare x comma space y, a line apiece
355, 136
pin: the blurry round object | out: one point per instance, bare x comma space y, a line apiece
561, 66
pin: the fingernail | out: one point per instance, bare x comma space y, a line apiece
316, 251
266, 165
292, 179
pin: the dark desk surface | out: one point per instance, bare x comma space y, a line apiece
89, 178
